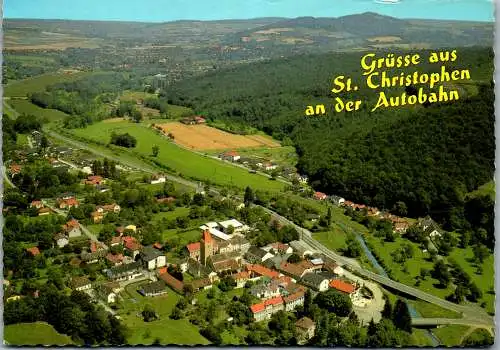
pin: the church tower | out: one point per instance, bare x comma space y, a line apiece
206, 247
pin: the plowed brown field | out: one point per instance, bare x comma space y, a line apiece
203, 137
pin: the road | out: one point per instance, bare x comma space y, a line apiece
422, 321
85, 230
143, 167
474, 315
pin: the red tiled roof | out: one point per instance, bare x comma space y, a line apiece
263, 271
296, 269
15, 168
256, 308
243, 275
70, 201
131, 243
192, 247
165, 200
71, 224
33, 250
293, 297
172, 281
319, 195
342, 286
157, 245
115, 258
231, 154
274, 301
35, 202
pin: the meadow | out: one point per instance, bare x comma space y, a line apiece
24, 87
168, 331
184, 162
38, 333
26, 107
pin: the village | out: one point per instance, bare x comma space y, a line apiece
114, 258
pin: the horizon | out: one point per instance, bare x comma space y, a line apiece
196, 10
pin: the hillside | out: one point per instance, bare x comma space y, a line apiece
277, 35
426, 157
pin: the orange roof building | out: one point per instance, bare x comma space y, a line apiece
342, 286
33, 251
262, 271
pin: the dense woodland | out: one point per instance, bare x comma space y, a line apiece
426, 157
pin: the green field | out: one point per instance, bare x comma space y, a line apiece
426, 309
186, 163
177, 332
485, 281
419, 338
39, 83
173, 110
384, 250
284, 155
26, 107
38, 333
451, 335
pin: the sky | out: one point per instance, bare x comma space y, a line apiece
170, 10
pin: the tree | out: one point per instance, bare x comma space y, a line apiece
353, 249
424, 273
249, 196
387, 311
401, 316
155, 150
294, 258
149, 313
328, 217
474, 293
441, 273
400, 208
481, 252
335, 302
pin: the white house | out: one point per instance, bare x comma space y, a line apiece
80, 283
153, 258
231, 156
61, 240
237, 226
158, 179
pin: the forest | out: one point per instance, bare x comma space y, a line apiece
427, 157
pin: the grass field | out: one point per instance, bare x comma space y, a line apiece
419, 338
186, 163
39, 83
26, 107
451, 335
178, 332
384, 250
203, 137
172, 112
38, 333
426, 309
485, 281
284, 155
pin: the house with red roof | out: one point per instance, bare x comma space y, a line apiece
94, 180
262, 271
231, 156
33, 251
15, 169
72, 228
342, 286
131, 245
320, 196
241, 278
298, 270
172, 282
194, 250
108, 208
115, 259
264, 310
68, 203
